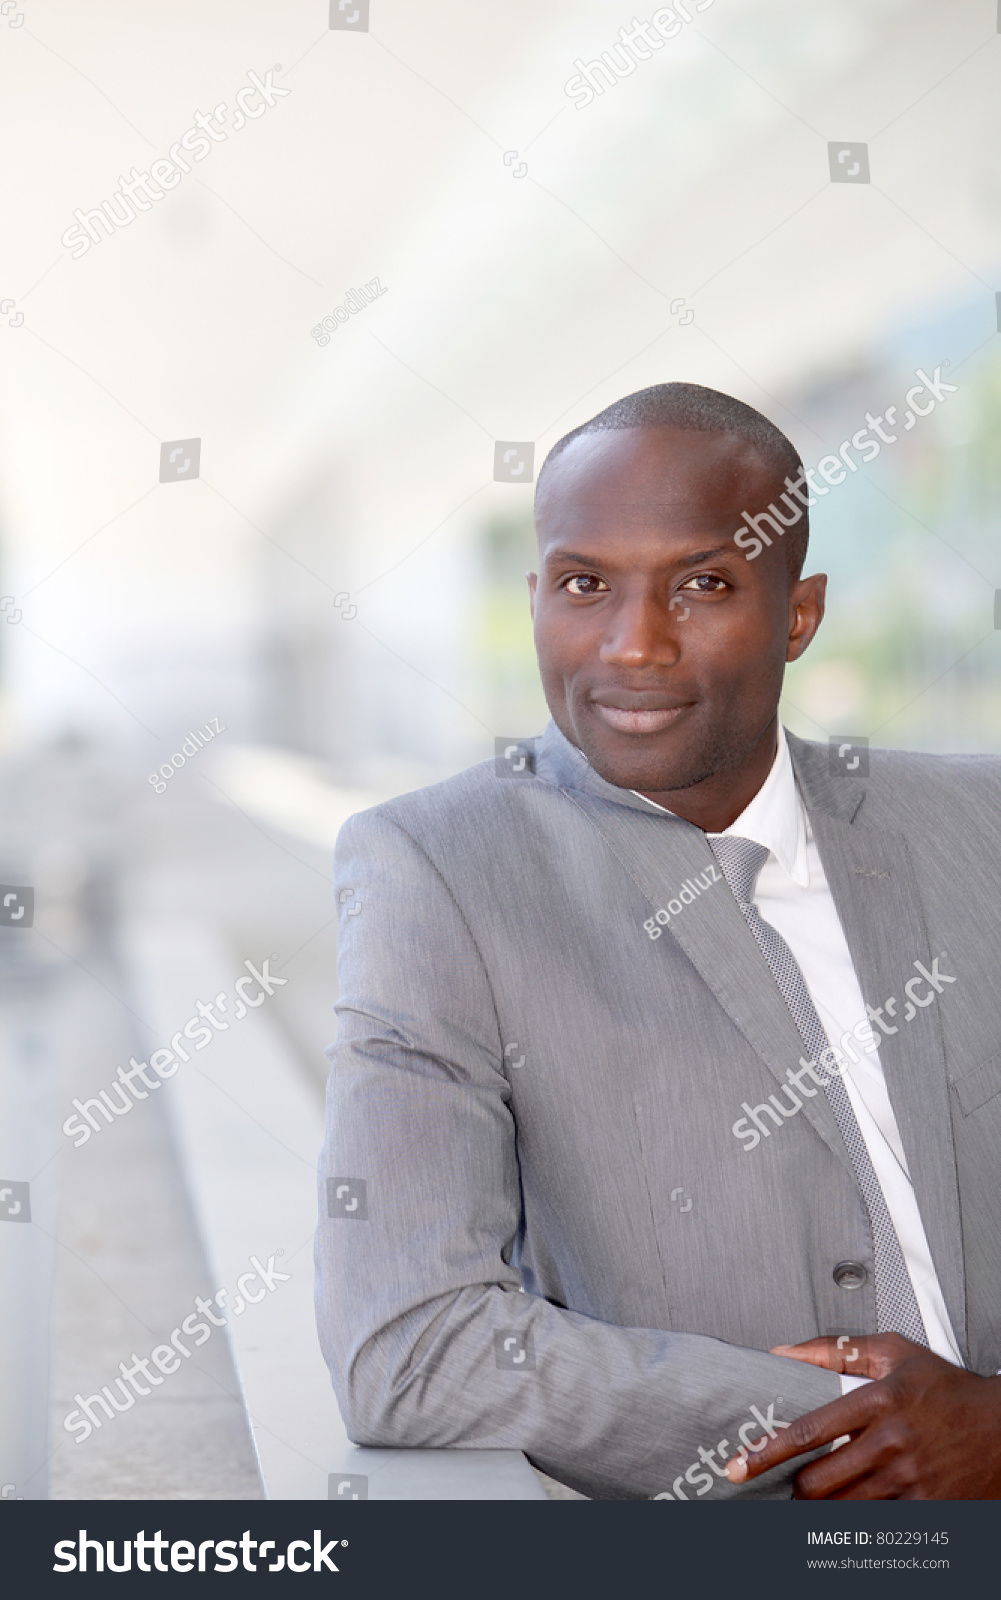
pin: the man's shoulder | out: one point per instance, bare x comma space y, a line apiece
904, 766
909, 782
896, 765
476, 803
473, 787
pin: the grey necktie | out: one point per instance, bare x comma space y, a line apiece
897, 1308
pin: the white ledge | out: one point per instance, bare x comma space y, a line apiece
248, 1128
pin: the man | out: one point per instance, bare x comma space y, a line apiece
692, 1036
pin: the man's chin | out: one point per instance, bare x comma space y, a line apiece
651, 762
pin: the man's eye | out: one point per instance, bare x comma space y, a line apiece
585, 583
705, 583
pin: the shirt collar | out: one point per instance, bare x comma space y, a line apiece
775, 817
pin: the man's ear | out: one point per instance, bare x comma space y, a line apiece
807, 598
533, 583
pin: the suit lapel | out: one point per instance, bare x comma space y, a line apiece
875, 891
872, 881
660, 853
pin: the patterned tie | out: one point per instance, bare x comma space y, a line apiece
897, 1308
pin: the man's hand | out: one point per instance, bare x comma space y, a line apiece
924, 1430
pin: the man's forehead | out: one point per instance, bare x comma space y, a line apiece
633, 468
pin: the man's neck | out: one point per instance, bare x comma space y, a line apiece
719, 800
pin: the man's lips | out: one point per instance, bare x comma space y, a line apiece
638, 713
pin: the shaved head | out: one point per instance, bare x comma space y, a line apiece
690, 408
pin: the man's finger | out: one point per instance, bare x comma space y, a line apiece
811, 1432
859, 1355
850, 1473
841, 1354
871, 1486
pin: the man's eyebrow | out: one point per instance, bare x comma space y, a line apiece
698, 556
691, 560
573, 557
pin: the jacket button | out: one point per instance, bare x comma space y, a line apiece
850, 1274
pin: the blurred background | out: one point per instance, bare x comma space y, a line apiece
268, 541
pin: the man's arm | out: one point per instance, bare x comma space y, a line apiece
422, 1322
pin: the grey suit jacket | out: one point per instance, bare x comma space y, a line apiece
528, 1092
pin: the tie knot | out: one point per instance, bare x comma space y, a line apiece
741, 860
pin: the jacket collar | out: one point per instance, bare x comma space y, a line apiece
561, 763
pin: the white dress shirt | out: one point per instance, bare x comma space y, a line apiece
792, 894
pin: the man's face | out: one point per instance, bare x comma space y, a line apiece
661, 647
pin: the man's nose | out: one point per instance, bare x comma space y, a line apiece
642, 631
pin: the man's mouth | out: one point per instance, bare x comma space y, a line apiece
638, 713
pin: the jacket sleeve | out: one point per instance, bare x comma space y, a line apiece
423, 1324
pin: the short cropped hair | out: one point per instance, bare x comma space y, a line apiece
692, 408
